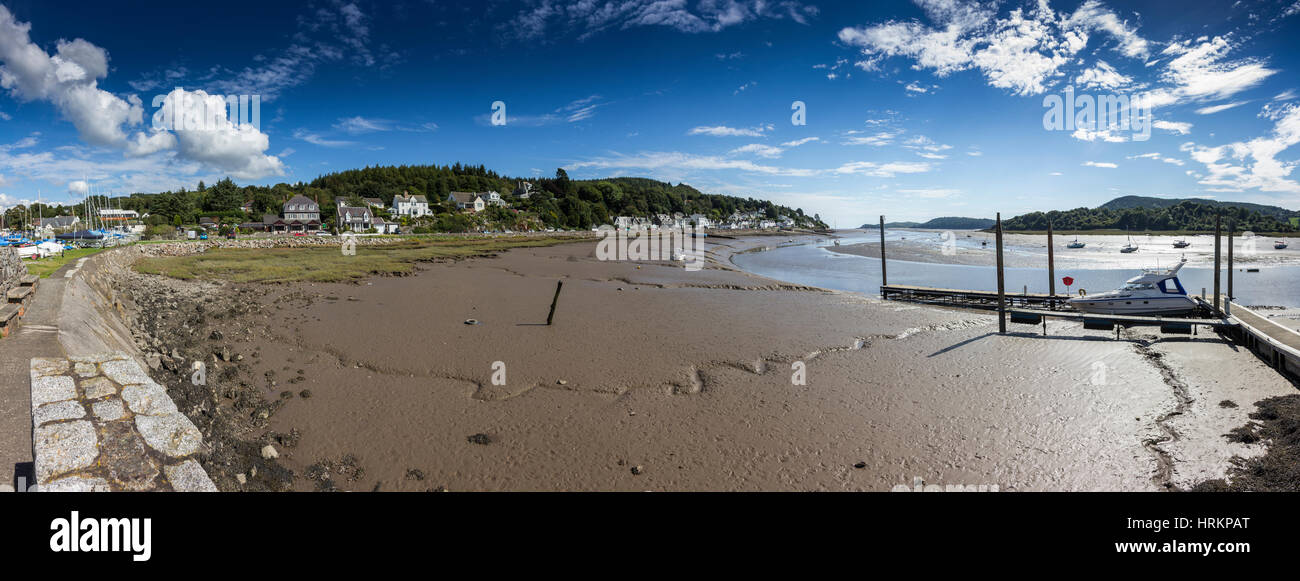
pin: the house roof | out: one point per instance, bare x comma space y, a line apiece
415, 199
351, 214
301, 204
58, 221
373, 201
464, 197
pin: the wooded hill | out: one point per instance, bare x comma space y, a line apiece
1185, 215
557, 202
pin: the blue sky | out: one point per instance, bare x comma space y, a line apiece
913, 109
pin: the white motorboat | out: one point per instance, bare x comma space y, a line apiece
1154, 292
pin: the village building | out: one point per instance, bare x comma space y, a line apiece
467, 201
354, 219
383, 226
48, 226
410, 206
374, 203
299, 214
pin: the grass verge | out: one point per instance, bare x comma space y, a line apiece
328, 263
44, 267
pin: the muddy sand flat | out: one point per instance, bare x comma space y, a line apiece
656, 378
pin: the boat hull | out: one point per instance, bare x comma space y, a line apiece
1175, 305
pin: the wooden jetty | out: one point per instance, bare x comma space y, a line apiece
1270, 340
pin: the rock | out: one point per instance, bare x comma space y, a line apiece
561, 382
51, 389
97, 387
148, 399
108, 410
480, 439
241, 478
172, 434
269, 452
860, 465
638, 470
75, 484
64, 410
64, 447
188, 476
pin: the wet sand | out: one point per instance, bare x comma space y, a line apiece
657, 378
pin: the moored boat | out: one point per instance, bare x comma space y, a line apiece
1154, 292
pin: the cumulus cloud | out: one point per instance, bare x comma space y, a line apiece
1023, 52
1253, 164
78, 188
69, 80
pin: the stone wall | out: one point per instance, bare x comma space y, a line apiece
12, 269
102, 424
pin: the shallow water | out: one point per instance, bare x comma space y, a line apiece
813, 264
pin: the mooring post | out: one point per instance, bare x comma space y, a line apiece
884, 276
1218, 243
1227, 304
1051, 272
1002, 289
551, 315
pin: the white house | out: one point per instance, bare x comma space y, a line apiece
410, 206
701, 220
383, 226
524, 190
354, 219
492, 199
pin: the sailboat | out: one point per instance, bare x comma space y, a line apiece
1076, 243
1279, 245
1130, 247
1182, 243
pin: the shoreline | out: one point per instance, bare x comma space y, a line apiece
655, 378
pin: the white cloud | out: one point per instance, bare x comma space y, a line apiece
586, 18
1216, 108
878, 139
760, 150
360, 125
798, 142
1200, 71
69, 80
78, 188
1023, 52
1102, 76
1104, 164
1253, 164
1157, 157
1173, 126
317, 139
884, 170
724, 131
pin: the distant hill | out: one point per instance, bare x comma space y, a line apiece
1147, 202
1138, 213
944, 223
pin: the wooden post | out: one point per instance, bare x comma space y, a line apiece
1002, 289
1051, 270
551, 315
884, 276
1218, 243
1227, 304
